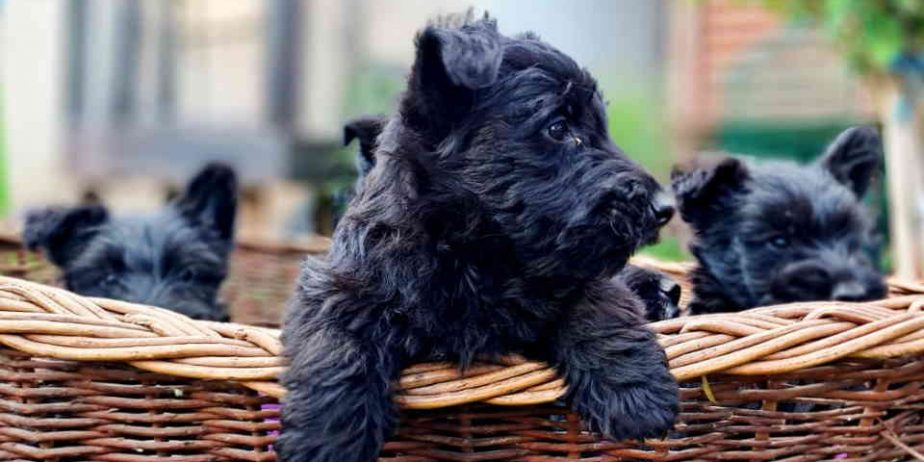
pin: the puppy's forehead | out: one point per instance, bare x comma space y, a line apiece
528, 52
536, 81
802, 198
160, 239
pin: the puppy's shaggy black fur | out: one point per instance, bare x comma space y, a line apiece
495, 216
365, 130
174, 259
780, 232
659, 293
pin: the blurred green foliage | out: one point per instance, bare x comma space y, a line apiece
795, 140
373, 89
668, 249
873, 34
638, 125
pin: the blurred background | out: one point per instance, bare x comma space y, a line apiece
122, 100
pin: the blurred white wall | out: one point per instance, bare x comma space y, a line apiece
33, 101
391, 26
624, 36
221, 62
220, 76
325, 65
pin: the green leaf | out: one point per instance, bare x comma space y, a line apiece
707, 389
883, 39
871, 34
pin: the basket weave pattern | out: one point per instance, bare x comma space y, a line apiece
262, 277
107, 380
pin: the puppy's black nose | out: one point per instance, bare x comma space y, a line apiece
663, 208
849, 292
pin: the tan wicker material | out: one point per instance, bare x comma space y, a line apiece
47, 321
99, 379
262, 276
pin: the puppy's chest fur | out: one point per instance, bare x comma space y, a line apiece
482, 305
442, 296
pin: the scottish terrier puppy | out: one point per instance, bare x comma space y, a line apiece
493, 221
175, 259
659, 294
781, 232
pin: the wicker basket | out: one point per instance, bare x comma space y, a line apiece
95, 379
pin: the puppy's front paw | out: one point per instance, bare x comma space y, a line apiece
659, 294
641, 410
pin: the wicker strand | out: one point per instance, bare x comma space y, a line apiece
50, 322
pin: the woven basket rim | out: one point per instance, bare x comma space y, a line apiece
54, 323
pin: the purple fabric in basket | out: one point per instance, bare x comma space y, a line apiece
271, 407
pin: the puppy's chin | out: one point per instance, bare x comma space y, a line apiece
605, 248
651, 238
633, 228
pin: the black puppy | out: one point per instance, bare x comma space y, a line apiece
365, 130
781, 232
176, 258
659, 293
495, 216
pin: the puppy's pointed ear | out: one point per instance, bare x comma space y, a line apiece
366, 130
703, 192
61, 233
468, 57
854, 157
450, 65
210, 200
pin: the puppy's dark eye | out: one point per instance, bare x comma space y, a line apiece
187, 275
779, 242
558, 130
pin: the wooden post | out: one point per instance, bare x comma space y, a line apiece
904, 151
